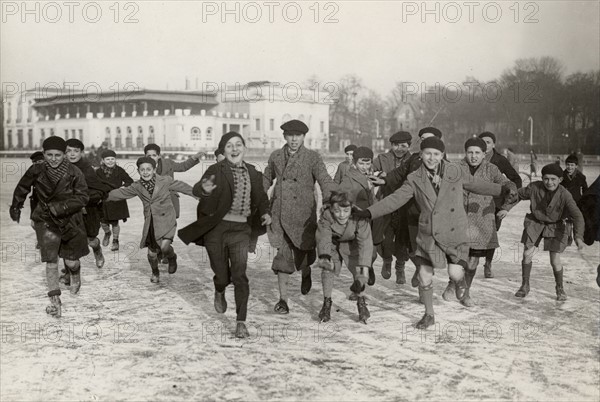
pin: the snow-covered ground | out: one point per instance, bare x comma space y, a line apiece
124, 338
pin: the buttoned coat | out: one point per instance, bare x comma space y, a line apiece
443, 222
481, 209
157, 206
168, 167
293, 204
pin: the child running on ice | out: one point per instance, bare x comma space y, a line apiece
160, 223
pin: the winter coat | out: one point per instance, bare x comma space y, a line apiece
58, 205
576, 184
589, 205
388, 161
293, 203
506, 169
548, 219
158, 206
167, 167
212, 208
341, 171
97, 191
353, 239
481, 209
115, 210
443, 223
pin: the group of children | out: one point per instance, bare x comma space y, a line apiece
419, 206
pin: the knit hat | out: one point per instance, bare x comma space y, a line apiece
36, 156
75, 143
430, 130
150, 147
225, 139
476, 142
108, 153
54, 142
350, 147
146, 159
362, 153
553, 169
572, 159
433, 142
488, 134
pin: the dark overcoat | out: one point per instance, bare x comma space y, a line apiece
115, 210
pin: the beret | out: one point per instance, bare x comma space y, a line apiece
108, 153
226, 137
476, 142
488, 134
430, 130
362, 153
150, 147
433, 142
54, 142
146, 159
572, 159
294, 127
350, 147
552, 168
75, 143
401, 136
36, 156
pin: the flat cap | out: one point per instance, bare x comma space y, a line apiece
430, 130
401, 136
552, 168
75, 143
294, 127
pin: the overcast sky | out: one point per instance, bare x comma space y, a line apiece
381, 42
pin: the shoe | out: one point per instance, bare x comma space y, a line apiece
306, 282
75, 282
466, 300
386, 269
325, 313
425, 322
414, 282
99, 257
353, 296
281, 307
487, 271
461, 288
560, 293
155, 278
220, 302
115, 245
106, 238
400, 278
523, 290
155, 272
363, 311
450, 291
172, 264
356, 287
54, 308
241, 331
371, 281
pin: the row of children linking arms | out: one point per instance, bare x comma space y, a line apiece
434, 212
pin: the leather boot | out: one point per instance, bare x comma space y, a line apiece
466, 300
54, 308
75, 278
524, 289
400, 278
560, 291
325, 313
155, 272
306, 284
220, 302
386, 269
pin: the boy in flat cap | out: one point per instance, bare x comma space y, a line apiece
437, 187
61, 194
551, 205
115, 176
97, 191
160, 222
345, 164
294, 208
395, 232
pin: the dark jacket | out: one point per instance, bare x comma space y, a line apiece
97, 189
589, 204
212, 208
576, 184
167, 167
115, 210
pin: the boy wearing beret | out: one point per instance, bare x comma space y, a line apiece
437, 187
342, 238
345, 164
160, 222
573, 179
551, 205
61, 193
294, 208
115, 176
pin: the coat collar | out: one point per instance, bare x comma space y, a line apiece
425, 185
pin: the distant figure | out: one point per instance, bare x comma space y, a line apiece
557, 160
533, 163
345, 164
512, 158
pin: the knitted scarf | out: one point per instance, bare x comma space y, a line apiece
149, 184
108, 171
57, 173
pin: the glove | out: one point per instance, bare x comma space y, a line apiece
364, 214
15, 214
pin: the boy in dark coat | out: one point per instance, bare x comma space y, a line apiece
160, 222
115, 176
551, 205
345, 164
231, 199
573, 179
61, 193
341, 238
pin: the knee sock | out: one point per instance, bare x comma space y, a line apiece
282, 280
427, 292
105, 227
116, 230
327, 280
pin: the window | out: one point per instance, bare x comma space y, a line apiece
272, 124
81, 135
129, 138
151, 135
19, 139
73, 133
9, 136
8, 113
51, 132
140, 130
30, 138
151, 129
42, 135
322, 127
209, 134
257, 124
66, 134
196, 134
